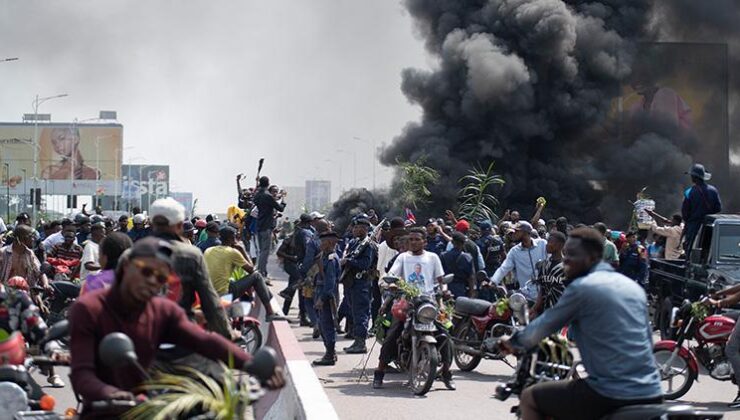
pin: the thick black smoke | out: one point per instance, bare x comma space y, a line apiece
354, 202
518, 83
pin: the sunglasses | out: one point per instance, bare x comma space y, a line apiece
148, 271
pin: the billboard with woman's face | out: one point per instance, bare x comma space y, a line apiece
73, 158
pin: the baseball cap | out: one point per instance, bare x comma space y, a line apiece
316, 215
523, 226
201, 224
188, 227
139, 218
151, 247
168, 208
462, 226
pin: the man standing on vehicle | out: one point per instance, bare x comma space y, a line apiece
608, 318
266, 205
699, 201
523, 259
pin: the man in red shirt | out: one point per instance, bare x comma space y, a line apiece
133, 306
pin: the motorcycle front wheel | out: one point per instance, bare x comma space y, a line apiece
466, 362
425, 371
676, 379
251, 339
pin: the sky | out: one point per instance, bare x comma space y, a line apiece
209, 87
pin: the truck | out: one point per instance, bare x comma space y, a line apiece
713, 263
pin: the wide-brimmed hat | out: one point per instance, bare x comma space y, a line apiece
698, 171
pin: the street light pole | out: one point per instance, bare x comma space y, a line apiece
36, 103
25, 190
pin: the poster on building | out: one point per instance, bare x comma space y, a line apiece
72, 158
186, 199
143, 184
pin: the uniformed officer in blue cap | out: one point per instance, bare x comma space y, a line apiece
356, 277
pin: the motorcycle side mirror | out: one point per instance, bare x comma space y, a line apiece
263, 363
390, 279
57, 331
116, 350
447, 279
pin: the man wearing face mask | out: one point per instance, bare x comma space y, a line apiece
607, 314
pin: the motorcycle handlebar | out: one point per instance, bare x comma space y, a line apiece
109, 404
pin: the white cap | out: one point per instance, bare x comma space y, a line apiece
316, 215
139, 218
168, 208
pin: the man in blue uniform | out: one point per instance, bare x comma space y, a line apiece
436, 238
633, 259
361, 256
324, 286
460, 263
699, 200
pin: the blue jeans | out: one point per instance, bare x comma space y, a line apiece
360, 306
265, 242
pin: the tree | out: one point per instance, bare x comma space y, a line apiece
415, 180
475, 197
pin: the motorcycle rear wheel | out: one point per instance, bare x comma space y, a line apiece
464, 361
426, 368
679, 368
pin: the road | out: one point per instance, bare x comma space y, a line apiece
353, 397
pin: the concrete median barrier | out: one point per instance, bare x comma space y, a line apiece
303, 397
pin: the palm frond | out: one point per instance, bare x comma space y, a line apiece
476, 200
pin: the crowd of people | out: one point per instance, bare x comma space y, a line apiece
123, 264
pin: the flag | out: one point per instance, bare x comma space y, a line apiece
410, 216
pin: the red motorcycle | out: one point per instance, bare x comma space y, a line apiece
476, 320
678, 361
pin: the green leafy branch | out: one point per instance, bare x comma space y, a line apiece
475, 197
416, 178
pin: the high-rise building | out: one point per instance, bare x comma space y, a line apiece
318, 195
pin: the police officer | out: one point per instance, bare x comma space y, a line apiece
324, 303
632, 259
356, 266
306, 251
459, 263
437, 239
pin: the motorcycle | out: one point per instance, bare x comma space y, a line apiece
679, 360
552, 360
20, 395
425, 333
58, 302
238, 312
116, 350
476, 320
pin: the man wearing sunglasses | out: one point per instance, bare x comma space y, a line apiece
133, 306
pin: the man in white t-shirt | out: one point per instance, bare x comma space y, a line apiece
418, 267
422, 269
90, 261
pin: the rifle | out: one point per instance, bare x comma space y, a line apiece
346, 279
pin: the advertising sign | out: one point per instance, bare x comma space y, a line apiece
143, 184
72, 158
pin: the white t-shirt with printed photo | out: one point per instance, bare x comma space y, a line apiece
421, 271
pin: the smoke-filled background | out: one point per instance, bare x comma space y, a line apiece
530, 85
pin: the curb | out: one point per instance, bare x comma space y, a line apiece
303, 396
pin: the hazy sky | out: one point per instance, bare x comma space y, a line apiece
209, 87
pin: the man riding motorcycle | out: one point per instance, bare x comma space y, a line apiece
725, 299
428, 274
607, 315
132, 306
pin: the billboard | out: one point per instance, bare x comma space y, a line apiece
186, 199
82, 159
142, 184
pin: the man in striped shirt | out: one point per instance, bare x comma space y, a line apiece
550, 274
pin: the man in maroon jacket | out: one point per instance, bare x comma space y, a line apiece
133, 306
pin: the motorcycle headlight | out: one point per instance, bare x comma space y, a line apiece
426, 313
12, 400
517, 302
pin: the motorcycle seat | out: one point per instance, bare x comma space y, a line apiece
656, 411
470, 306
732, 314
67, 289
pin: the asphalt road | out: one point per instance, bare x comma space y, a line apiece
348, 384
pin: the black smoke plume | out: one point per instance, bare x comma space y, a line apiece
529, 85
354, 202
